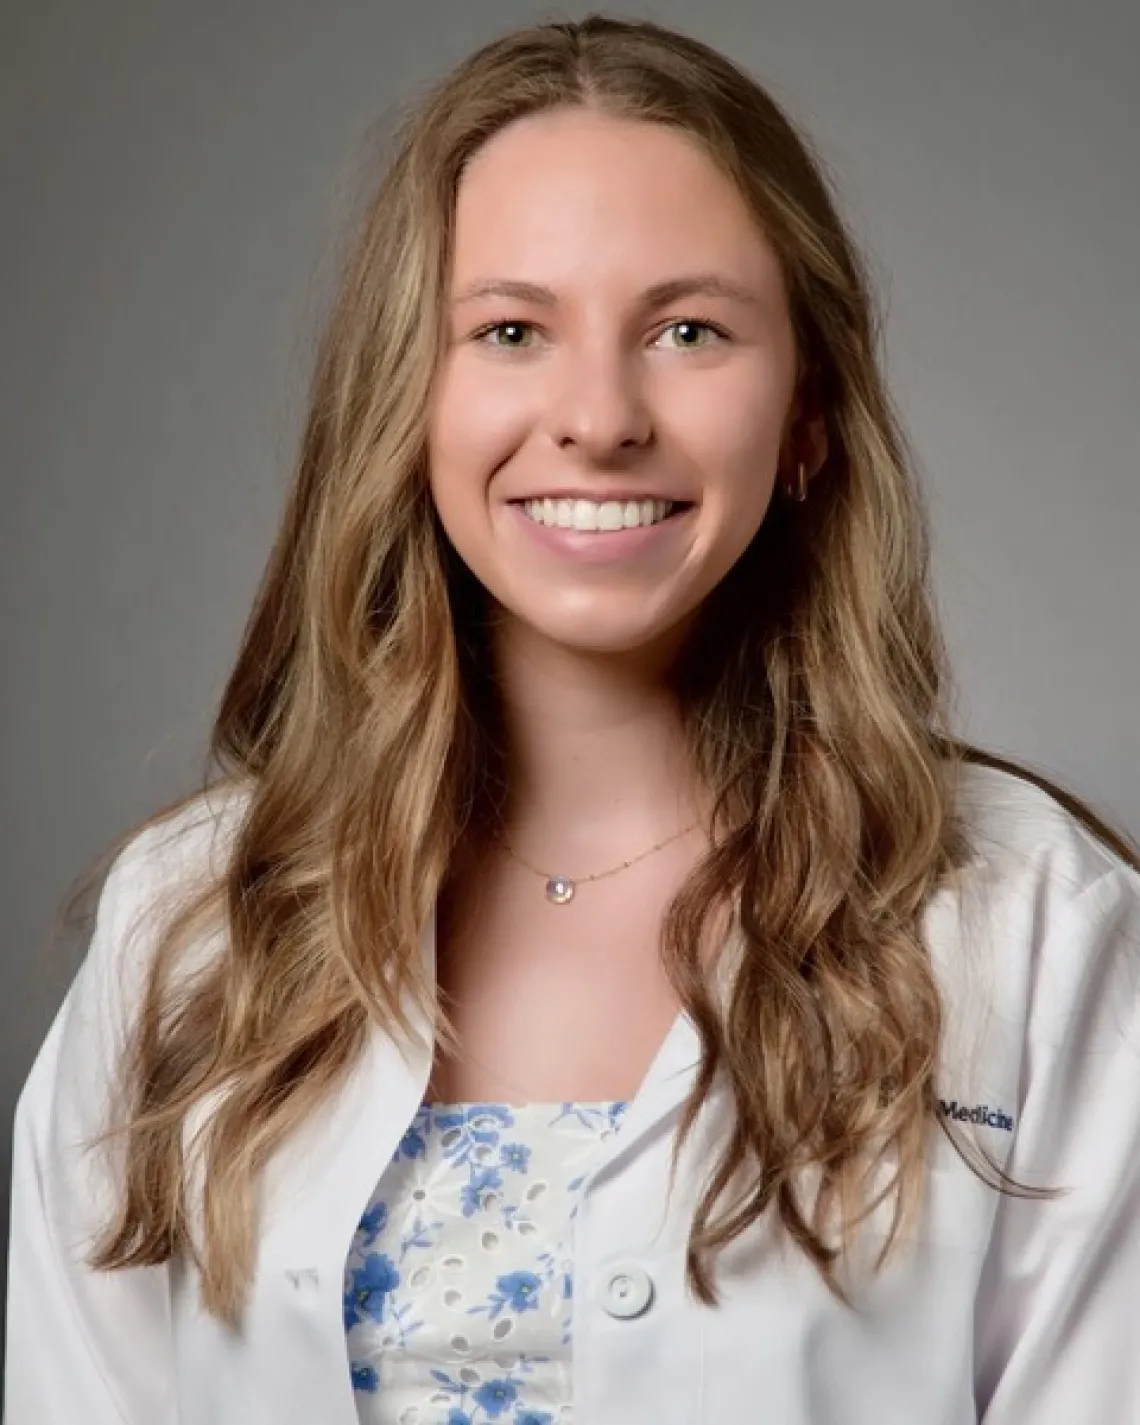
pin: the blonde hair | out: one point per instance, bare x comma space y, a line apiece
360, 717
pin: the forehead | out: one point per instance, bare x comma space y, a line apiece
570, 192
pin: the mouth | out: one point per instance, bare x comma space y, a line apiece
600, 516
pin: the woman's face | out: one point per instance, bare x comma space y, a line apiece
618, 336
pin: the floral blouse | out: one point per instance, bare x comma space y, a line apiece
457, 1293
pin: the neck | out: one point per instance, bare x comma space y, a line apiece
597, 769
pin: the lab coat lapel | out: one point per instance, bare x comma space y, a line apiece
321, 1181
670, 1076
665, 1087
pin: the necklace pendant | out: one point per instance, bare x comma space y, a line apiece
559, 890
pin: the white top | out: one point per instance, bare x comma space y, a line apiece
458, 1288
1002, 1310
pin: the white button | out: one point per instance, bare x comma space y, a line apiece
625, 1290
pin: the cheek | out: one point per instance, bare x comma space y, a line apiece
476, 423
733, 441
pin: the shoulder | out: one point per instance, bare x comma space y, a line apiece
1021, 830
155, 872
71, 1092
174, 854
1044, 920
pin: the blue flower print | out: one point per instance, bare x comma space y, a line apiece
398, 1317
373, 1223
418, 1236
534, 1417
496, 1396
471, 1128
515, 1156
518, 1290
476, 1192
456, 1416
465, 1118
616, 1112
364, 1377
587, 1114
412, 1145
370, 1284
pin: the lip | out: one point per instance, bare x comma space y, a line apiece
595, 547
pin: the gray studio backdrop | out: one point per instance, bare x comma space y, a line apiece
172, 179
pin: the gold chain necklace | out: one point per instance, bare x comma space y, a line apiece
560, 889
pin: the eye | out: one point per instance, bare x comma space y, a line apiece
513, 329
694, 325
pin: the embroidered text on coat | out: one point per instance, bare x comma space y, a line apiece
980, 1113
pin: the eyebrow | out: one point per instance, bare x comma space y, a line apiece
706, 284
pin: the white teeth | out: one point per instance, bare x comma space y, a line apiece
590, 515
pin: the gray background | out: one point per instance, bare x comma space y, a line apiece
173, 178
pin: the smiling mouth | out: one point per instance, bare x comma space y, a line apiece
601, 517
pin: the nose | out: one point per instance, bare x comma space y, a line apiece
597, 403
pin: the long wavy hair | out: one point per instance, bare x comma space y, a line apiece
359, 720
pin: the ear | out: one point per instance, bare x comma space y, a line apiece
805, 437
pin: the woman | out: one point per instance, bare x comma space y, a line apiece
597, 981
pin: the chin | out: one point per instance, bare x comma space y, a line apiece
616, 639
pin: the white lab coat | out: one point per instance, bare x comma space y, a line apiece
1005, 1311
